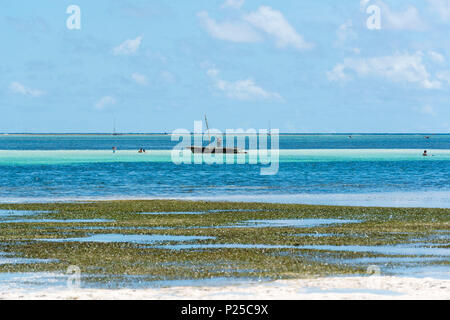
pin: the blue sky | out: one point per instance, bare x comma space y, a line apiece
154, 66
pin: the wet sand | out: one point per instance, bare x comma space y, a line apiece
341, 288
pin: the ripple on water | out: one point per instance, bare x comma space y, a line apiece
387, 250
411, 249
8, 258
44, 280
32, 280
20, 213
57, 221
223, 246
108, 228
392, 260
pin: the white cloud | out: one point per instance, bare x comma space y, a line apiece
234, 4
275, 24
213, 72
167, 76
19, 88
252, 26
397, 68
345, 33
128, 47
140, 79
104, 102
409, 19
441, 7
337, 74
236, 31
444, 75
427, 110
363, 4
241, 89
436, 56
245, 90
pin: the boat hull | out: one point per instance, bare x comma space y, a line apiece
215, 150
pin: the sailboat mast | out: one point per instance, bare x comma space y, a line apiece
207, 127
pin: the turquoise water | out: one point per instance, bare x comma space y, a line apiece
60, 157
325, 169
163, 142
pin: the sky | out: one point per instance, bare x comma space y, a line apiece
156, 66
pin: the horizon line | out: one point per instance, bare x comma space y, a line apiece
169, 133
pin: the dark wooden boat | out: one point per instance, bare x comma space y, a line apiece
215, 150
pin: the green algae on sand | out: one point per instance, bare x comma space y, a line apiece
224, 245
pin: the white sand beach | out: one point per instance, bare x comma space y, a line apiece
358, 288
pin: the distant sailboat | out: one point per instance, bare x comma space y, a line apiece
210, 149
114, 133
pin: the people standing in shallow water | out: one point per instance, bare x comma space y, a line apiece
425, 153
114, 149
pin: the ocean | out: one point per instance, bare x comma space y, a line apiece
331, 169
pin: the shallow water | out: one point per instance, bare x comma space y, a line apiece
196, 212
393, 260
294, 223
435, 272
315, 169
110, 228
170, 213
7, 258
66, 157
387, 250
417, 199
24, 261
131, 238
320, 235
43, 280
223, 246
32, 280
19, 213
56, 221
378, 170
